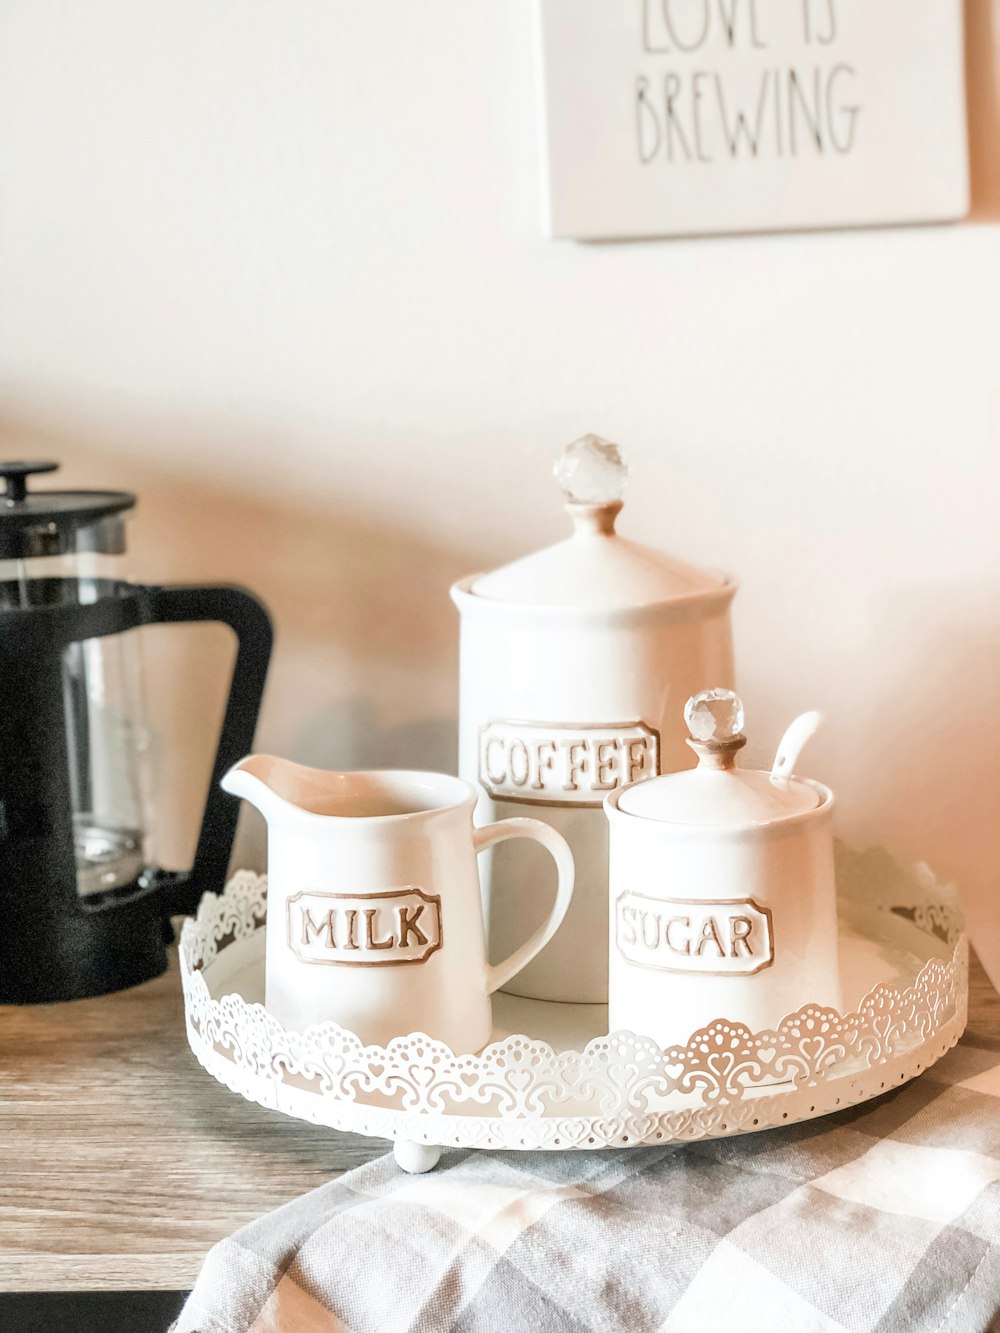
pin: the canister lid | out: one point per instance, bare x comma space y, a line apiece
717, 791
595, 567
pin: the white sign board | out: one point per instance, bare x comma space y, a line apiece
685, 117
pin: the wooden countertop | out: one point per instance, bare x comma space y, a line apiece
122, 1161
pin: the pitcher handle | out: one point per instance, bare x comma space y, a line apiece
558, 848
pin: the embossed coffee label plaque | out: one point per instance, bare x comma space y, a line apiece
717, 937
364, 929
557, 763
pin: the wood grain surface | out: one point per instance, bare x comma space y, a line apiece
122, 1162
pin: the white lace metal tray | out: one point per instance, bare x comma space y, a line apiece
553, 1079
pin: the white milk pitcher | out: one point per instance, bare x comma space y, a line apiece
374, 917
723, 901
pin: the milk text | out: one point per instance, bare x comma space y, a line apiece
364, 929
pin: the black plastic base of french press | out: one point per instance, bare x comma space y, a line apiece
92, 951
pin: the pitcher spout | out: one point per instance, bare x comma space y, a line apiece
284, 792
270, 784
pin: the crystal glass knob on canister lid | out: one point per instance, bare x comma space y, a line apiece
572, 658
582, 573
591, 471
722, 892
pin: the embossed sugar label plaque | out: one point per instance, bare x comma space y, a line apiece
714, 937
559, 763
364, 929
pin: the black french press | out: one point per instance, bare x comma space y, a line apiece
82, 910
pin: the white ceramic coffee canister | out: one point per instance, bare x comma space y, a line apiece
374, 911
575, 664
722, 894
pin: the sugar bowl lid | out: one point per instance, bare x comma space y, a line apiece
718, 792
595, 567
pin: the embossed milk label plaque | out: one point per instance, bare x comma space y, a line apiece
364, 929
716, 937
688, 117
557, 763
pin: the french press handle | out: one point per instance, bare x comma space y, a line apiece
248, 619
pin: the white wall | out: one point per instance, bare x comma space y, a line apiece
278, 266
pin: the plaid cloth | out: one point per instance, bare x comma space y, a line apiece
882, 1217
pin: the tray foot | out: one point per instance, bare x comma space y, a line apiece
415, 1158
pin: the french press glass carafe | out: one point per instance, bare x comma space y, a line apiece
84, 908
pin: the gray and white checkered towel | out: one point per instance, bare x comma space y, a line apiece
883, 1217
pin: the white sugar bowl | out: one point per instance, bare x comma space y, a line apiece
722, 894
574, 664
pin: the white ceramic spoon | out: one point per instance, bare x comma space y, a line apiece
791, 744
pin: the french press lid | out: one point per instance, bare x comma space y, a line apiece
595, 568
46, 523
718, 791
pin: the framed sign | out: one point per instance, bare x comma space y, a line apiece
689, 117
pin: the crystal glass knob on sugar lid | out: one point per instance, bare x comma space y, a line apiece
572, 658
714, 715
